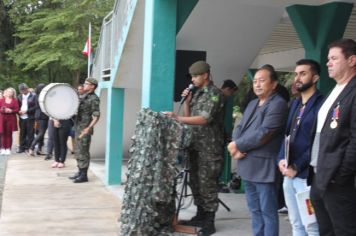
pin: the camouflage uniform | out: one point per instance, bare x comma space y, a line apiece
205, 153
88, 107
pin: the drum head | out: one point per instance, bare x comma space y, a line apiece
59, 101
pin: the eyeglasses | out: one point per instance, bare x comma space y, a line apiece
87, 83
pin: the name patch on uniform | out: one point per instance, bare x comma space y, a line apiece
215, 98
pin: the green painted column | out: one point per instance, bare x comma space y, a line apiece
251, 73
163, 20
317, 26
114, 133
228, 126
159, 54
184, 9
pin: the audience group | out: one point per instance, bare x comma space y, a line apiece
23, 113
310, 141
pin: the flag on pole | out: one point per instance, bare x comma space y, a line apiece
87, 48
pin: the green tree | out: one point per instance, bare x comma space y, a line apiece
51, 35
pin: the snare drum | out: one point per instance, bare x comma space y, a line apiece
59, 101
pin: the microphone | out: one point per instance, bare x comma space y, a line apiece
190, 88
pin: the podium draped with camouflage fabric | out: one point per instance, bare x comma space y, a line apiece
149, 203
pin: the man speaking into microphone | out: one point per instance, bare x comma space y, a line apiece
204, 111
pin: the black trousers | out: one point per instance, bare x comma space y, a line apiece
26, 133
60, 137
335, 210
39, 139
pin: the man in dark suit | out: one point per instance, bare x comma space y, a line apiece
27, 104
295, 165
333, 194
256, 143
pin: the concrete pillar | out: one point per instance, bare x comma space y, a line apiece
159, 54
114, 133
317, 26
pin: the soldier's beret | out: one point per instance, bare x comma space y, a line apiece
199, 67
92, 81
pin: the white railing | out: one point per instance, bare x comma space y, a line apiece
112, 39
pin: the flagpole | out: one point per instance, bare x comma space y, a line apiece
89, 52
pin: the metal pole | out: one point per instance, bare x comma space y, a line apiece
89, 48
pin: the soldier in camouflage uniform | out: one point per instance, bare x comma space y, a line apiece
204, 110
88, 115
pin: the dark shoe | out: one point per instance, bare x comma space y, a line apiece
197, 220
40, 153
76, 175
48, 157
20, 151
82, 177
209, 226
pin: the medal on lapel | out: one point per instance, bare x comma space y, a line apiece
335, 117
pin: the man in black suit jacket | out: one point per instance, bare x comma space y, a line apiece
333, 194
27, 105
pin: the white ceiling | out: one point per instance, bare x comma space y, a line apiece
234, 33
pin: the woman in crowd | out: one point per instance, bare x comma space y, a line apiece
60, 136
9, 107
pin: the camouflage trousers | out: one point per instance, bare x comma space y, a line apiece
82, 154
205, 169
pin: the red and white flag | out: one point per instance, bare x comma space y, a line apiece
87, 49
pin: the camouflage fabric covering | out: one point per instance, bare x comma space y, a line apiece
149, 202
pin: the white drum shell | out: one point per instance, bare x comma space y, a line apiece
59, 101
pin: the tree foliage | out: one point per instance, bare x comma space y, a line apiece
50, 35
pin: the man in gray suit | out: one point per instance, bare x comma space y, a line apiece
256, 143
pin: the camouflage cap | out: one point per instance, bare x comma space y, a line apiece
91, 80
199, 67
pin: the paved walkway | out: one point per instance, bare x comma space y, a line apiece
41, 201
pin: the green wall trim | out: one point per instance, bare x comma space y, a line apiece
251, 73
228, 127
184, 9
317, 26
114, 136
159, 54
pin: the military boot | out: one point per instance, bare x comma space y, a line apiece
196, 220
76, 175
208, 226
82, 177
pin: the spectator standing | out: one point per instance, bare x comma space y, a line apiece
333, 192
8, 123
50, 140
42, 121
255, 144
302, 114
27, 104
60, 137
